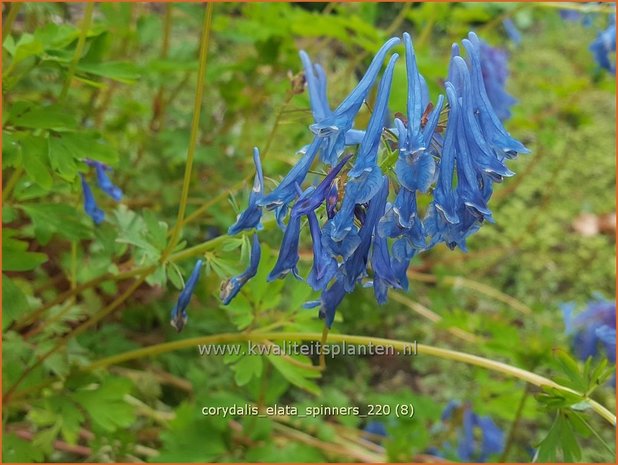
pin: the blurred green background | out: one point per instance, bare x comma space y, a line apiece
130, 103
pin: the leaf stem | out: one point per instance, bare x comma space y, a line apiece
400, 346
10, 19
79, 49
195, 124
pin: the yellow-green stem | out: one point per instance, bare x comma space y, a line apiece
10, 19
197, 108
11, 183
79, 49
400, 346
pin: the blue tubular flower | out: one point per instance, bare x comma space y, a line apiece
324, 265
330, 300
603, 46
593, 328
311, 199
365, 177
179, 312
493, 130
250, 218
90, 205
415, 167
355, 267
333, 128
231, 287
512, 31
469, 423
495, 72
383, 273
331, 201
286, 191
288, 252
104, 183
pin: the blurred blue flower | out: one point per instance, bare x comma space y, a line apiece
103, 180
469, 426
179, 315
231, 287
570, 15
512, 31
592, 329
250, 218
374, 429
90, 205
494, 66
604, 46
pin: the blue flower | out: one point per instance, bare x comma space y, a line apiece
497, 137
365, 177
324, 265
512, 31
231, 287
354, 268
415, 166
104, 182
374, 429
592, 329
90, 205
331, 127
179, 315
250, 218
330, 300
604, 45
494, 63
468, 423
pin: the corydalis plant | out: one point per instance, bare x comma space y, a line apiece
362, 215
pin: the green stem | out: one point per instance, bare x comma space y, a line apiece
11, 183
515, 424
79, 49
10, 19
400, 346
195, 124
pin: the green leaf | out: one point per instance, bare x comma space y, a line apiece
49, 219
14, 302
106, 405
55, 117
36, 160
119, 71
246, 368
15, 257
560, 444
295, 374
11, 151
16, 450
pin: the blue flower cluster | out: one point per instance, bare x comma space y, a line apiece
593, 329
604, 46
363, 216
469, 428
105, 184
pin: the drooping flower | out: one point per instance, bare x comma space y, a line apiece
512, 31
360, 235
468, 427
179, 315
494, 67
105, 183
90, 205
593, 329
231, 287
604, 47
332, 126
250, 218
365, 177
